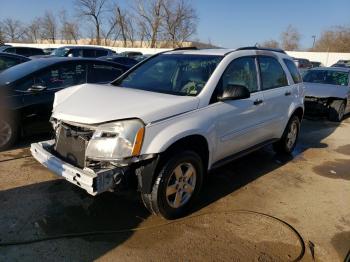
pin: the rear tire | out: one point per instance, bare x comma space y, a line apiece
289, 138
8, 133
177, 185
336, 111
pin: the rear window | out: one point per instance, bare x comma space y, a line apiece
293, 70
327, 77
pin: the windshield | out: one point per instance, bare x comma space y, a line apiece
61, 52
327, 77
172, 74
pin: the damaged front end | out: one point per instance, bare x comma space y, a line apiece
316, 105
96, 158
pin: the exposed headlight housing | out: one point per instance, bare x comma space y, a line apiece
117, 140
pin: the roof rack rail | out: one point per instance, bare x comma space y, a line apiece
261, 48
185, 48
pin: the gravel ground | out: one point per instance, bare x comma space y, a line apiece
310, 191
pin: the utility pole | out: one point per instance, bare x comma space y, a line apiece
313, 44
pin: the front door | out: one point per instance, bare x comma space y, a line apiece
238, 121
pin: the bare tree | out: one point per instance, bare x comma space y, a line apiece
151, 14
141, 31
179, 21
336, 39
2, 39
131, 30
270, 44
112, 31
12, 30
49, 27
69, 29
93, 10
290, 39
33, 31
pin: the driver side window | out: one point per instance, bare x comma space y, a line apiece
242, 71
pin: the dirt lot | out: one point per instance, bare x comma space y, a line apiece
310, 191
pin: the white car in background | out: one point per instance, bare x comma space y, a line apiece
170, 119
327, 92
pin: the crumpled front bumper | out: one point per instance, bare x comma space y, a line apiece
94, 182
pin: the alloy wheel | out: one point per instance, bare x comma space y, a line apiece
5, 133
181, 185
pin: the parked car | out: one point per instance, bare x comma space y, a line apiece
27, 91
120, 60
327, 92
316, 64
4, 46
131, 54
341, 65
78, 51
302, 63
8, 60
22, 50
142, 57
169, 120
342, 61
48, 51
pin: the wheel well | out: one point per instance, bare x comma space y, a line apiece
299, 112
197, 143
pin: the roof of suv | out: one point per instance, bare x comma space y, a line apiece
220, 51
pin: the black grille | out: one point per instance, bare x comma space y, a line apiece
71, 143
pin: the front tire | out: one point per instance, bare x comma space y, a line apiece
289, 138
8, 133
177, 185
336, 111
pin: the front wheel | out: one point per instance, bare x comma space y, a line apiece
289, 138
8, 133
336, 111
177, 185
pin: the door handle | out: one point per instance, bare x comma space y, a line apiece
258, 102
288, 93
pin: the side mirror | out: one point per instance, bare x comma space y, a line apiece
36, 88
234, 92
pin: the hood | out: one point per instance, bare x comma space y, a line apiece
325, 90
92, 104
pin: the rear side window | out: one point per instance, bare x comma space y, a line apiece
89, 53
62, 76
100, 53
23, 51
100, 73
7, 62
293, 70
37, 52
272, 74
241, 71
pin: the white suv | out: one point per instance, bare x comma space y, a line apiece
170, 119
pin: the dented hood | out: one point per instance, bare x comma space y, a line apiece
326, 90
92, 104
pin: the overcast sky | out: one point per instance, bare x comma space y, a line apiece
227, 23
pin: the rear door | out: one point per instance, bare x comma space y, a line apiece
239, 122
277, 95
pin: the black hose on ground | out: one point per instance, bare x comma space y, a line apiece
15, 158
111, 232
